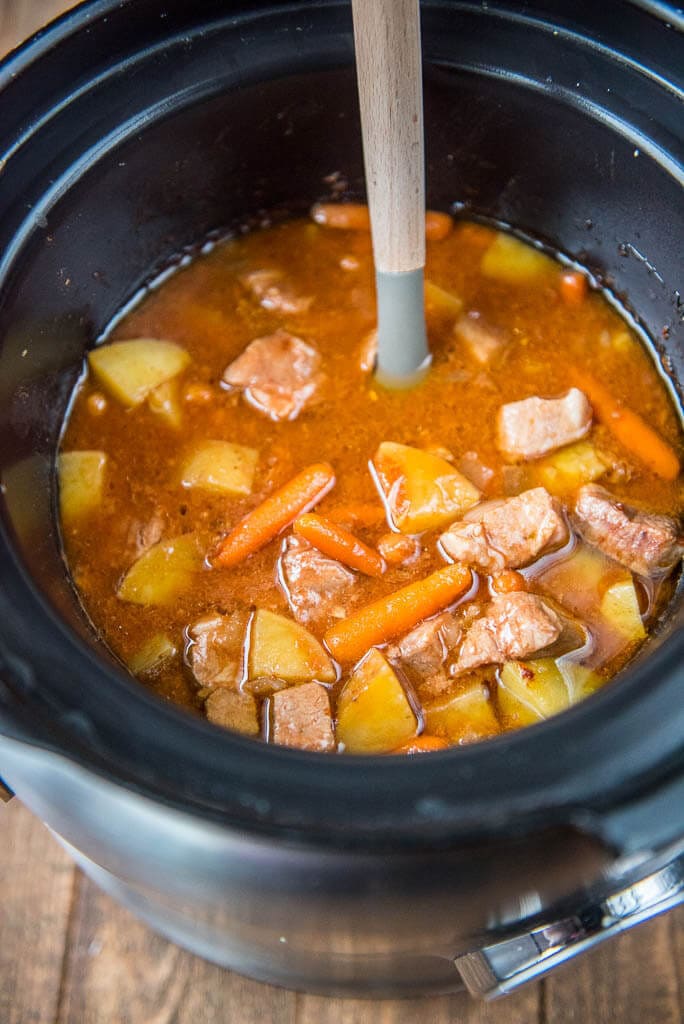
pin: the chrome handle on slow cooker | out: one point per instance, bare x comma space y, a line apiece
502, 967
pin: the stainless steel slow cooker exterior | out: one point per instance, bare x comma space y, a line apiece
128, 132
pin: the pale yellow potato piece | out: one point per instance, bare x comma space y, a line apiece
441, 302
165, 402
220, 466
283, 649
152, 655
463, 717
620, 608
374, 715
81, 483
163, 572
130, 370
569, 468
515, 262
530, 691
421, 490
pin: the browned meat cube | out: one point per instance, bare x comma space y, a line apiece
233, 710
483, 342
301, 718
513, 626
536, 426
476, 471
143, 535
507, 534
278, 374
646, 544
315, 585
273, 292
426, 647
214, 649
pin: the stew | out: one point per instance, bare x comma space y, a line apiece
264, 535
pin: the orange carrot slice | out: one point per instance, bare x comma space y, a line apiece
573, 287
629, 428
269, 518
422, 745
345, 216
337, 543
361, 513
438, 226
396, 613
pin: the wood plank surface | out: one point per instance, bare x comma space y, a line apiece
69, 955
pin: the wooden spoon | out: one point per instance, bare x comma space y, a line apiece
389, 72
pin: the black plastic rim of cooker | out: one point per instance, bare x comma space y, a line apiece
608, 765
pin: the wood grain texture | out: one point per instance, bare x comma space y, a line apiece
69, 955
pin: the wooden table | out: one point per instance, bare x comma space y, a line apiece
69, 955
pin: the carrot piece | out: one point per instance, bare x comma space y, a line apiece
507, 582
362, 513
629, 428
421, 745
346, 216
337, 543
280, 509
398, 548
438, 226
573, 287
396, 613
476, 234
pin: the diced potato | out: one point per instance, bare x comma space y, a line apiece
442, 302
373, 712
620, 608
165, 402
422, 491
152, 655
623, 341
463, 717
163, 572
282, 649
575, 581
81, 483
233, 710
530, 691
515, 262
129, 370
580, 680
570, 468
220, 466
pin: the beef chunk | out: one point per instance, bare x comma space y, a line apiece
646, 544
214, 649
278, 374
483, 342
233, 710
426, 647
144, 534
476, 471
513, 626
315, 585
301, 718
507, 534
536, 426
272, 291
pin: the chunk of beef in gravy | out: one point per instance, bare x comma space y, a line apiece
513, 626
273, 292
507, 534
278, 374
233, 710
471, 466
315, 586
301, 718
426, 647
144, 534
482, 342
214, 649
536, 426
646, 544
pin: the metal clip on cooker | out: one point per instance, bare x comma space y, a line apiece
129, 132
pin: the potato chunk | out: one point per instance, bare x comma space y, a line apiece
81, 483
220, 466
163, 571
421, 491
165, 402
464, 716
567, 469
441, 302
152, 655
514, 262
283, 649
373, 712
130, 370
530, 691
620, 608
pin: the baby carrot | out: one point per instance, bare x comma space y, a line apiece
396, 613
573, 287
437, 226
421, 745
346, 216
280, 509
629, 428
337, 543
362, 513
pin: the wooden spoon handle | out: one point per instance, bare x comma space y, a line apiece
389, 70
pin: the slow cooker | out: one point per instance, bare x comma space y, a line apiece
130, 132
